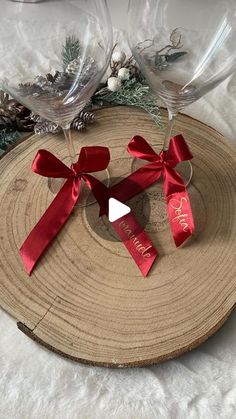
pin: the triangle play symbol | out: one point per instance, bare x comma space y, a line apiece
116, 210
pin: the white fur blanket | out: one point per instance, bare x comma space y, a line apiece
37, 384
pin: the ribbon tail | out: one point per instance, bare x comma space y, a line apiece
50, 224
136, 242
179, 208
130, 232
180, 217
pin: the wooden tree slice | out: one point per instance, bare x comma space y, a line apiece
86, 298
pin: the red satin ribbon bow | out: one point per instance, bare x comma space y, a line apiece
179, 209
91, 159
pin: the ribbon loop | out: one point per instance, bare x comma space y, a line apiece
139, 147
92, 159
48, 165
178, 151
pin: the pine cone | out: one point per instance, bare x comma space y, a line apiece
134, 70
34, 117
13, 115
87, 69
44, 126
57, 76
78, 124
87, 117
50, 77
22, 85
42, 82
73, 66
6, 104
23, 122
8, 107
62, 82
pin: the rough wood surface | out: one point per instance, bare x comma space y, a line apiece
86, 298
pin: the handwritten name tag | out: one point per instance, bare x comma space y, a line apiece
180, 217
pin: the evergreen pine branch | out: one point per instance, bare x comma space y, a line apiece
131, 93
7, 138
71, 50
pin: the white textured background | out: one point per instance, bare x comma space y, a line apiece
36, 384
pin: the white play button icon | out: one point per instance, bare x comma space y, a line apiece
116, 210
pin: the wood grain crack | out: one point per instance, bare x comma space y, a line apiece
49, 308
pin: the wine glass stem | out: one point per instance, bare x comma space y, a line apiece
171, 121
70, 144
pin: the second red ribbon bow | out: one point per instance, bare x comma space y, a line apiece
161, 165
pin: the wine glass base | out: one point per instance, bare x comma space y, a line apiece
184, 168
86, 197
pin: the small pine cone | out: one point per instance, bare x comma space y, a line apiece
87, 117
50, 77
77, 124
57, 76
134, 70
22, 111
34, 117
6, 104
73, 66
45, 126
23, 120
62, 83
24, 124
39, 128
87, 69
22, 85
42, 82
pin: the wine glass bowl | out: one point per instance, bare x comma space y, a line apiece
34, 47
184, 48
54, 55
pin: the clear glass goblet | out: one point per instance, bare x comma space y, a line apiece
184, 48
53, 55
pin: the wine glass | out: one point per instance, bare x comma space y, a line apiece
184, 48
53, 55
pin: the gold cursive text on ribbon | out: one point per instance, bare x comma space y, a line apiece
181, 218
137, 244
